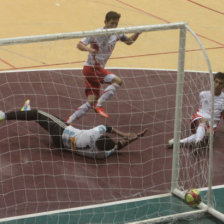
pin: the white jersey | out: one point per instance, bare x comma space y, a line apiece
205, 106
85, 141
104, 45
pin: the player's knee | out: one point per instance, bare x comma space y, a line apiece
92, 99
202, 121
91, 102
118, 81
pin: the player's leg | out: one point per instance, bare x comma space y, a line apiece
83, 109
31, 115
190, 139
26, 107
201, 130
114, 83
93, 79
198, 128
92, 97
92, 92
79, 112
50, 123
39, 116
185, 141
55, 126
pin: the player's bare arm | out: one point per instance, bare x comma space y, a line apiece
83, 47
123, 134
128, 138
131, 39
129, 135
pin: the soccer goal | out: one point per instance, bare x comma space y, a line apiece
163, 73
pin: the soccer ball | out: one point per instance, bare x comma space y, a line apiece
193, 197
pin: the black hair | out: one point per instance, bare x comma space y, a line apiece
105, 143
112, 15
219, 75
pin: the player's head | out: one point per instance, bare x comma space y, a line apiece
105, 143
111, 20
219, 83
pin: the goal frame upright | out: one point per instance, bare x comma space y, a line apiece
177, 126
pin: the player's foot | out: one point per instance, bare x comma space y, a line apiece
170, 143
2, 116
26, 106
101, 111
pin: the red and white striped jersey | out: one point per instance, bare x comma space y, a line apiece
104, 45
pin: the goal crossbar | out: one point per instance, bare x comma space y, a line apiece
80, 34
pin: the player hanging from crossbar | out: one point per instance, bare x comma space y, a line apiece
92, 143
100, 49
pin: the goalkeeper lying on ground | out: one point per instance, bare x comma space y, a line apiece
92, 143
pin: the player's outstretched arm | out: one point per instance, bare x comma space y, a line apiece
130, 137
121, 133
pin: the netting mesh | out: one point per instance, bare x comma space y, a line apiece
193, 161
147, 100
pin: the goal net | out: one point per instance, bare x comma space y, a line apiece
163, 73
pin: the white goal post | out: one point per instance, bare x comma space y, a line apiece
183, 28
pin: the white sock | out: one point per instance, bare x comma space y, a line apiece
107, 94
200, 132
79, 112
189, 140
